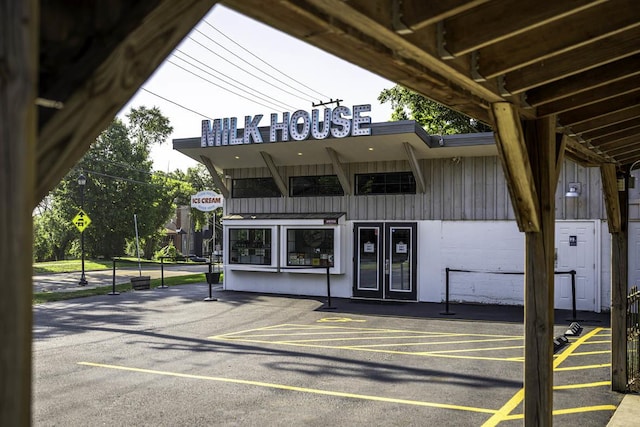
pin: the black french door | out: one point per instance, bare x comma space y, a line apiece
385, 260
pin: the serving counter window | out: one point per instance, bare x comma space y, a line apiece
312, 247
250, 246
285, 243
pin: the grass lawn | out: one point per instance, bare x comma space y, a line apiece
42, 297
68, 266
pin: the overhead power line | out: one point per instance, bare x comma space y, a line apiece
265, 62
177, 104
217, 85
305, 98
264, 96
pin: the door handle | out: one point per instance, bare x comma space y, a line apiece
386, 266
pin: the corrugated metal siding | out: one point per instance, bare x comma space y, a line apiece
468, 188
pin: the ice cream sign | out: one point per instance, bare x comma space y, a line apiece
338, 122
206, 201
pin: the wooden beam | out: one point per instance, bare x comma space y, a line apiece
417, 14
585, 81
215, 176
468, 32
614, 117
619, 280
580, 29
415, 167
515, 163
575, 61
19, 47
601, 109
561, 149
611, 198
69, 133
539, 277
338, 168
273, 169
599, 94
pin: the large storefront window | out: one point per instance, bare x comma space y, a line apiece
315, 186
254, 187
310, 247
250, 246
385, 183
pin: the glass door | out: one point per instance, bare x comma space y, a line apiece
368, 265
385, 261
400, 261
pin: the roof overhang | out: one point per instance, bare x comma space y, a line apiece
385, 143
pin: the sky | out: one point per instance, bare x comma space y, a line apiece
224, 38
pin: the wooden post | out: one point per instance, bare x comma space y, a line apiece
530, 157
539, 278
617, 219
19, 25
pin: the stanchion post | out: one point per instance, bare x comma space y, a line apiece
328, 306
446, 292
209, 276
113, 281
573, 293
162, 285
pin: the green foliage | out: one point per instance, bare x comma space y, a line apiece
119, 184
435, 118
166, 251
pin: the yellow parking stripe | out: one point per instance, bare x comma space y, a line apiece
567, 411
583, 385
503, 413
294, 388
578, 368
466, 350
435, 343
591, 353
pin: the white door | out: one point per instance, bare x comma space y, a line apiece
575, 246
634, 254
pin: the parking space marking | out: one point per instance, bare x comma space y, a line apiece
504, 413
381, 340
578, 368
583, 385
294, 388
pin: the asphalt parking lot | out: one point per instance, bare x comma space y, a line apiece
165, 357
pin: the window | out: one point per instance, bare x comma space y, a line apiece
254, 187
385, 183
310, 246
250, 246
307, 186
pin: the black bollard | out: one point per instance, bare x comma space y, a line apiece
328, 306
162, 285
446, 293
113, 284
209, 276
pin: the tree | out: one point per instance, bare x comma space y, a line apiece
119, 184
435, 118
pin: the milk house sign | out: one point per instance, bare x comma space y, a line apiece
338, 122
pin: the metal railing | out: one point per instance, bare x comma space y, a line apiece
633, 340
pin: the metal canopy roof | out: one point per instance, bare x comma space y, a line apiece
385, 143
577, 59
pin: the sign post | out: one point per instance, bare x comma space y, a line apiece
209, 201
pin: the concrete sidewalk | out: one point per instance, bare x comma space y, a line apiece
61, 282
628, 412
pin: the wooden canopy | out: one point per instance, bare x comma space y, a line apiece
550, 77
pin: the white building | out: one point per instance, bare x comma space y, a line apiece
390, 211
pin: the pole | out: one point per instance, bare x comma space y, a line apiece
573, 292
135, 221
162, 285
446, 293
113, 282
83, 279
328, 306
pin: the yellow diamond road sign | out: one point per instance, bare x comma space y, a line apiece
81, 220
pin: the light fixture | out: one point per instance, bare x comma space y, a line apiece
575, 189
370, 148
